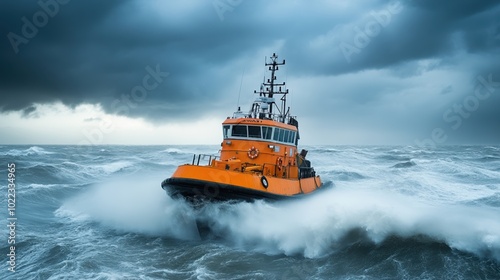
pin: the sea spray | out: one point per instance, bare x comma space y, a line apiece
318, 226
133, 204
312, 227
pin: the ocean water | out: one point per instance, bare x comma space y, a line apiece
397, 212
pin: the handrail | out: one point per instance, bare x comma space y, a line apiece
275, 117
304, 172
202, 157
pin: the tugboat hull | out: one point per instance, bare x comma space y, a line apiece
204, 183
192, 189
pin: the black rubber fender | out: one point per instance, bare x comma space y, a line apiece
264, 182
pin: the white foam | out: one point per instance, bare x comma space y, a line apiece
133, 204
313, 227
112, 167
34, 150
174, 151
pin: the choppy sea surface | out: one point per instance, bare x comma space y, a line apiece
393, 212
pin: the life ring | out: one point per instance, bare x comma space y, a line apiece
264, 182
279, 163
253, 152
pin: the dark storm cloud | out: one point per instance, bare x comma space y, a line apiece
98, 51
41, 63
417, 30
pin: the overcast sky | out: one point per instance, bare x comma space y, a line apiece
409, 72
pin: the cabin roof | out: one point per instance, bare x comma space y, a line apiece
260, 122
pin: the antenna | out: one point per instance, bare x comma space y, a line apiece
270, 87
241, 83
286, 81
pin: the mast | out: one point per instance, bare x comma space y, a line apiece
268, 90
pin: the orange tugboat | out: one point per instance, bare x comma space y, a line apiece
259, 158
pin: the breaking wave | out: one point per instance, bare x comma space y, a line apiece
129, 205
318, 226
34, 150
312, 227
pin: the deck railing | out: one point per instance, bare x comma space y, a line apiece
265, 116
274, 169
203, 157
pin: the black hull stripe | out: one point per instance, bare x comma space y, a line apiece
191, 188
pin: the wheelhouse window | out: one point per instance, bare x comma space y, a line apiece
239, 131
267, 132
225, 131
260, 132
287, 135
254, 132
282, 135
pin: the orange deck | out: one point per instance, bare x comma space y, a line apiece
215, 177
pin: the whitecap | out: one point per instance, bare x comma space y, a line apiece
133, 204
113, 167
34, 150
314, 227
